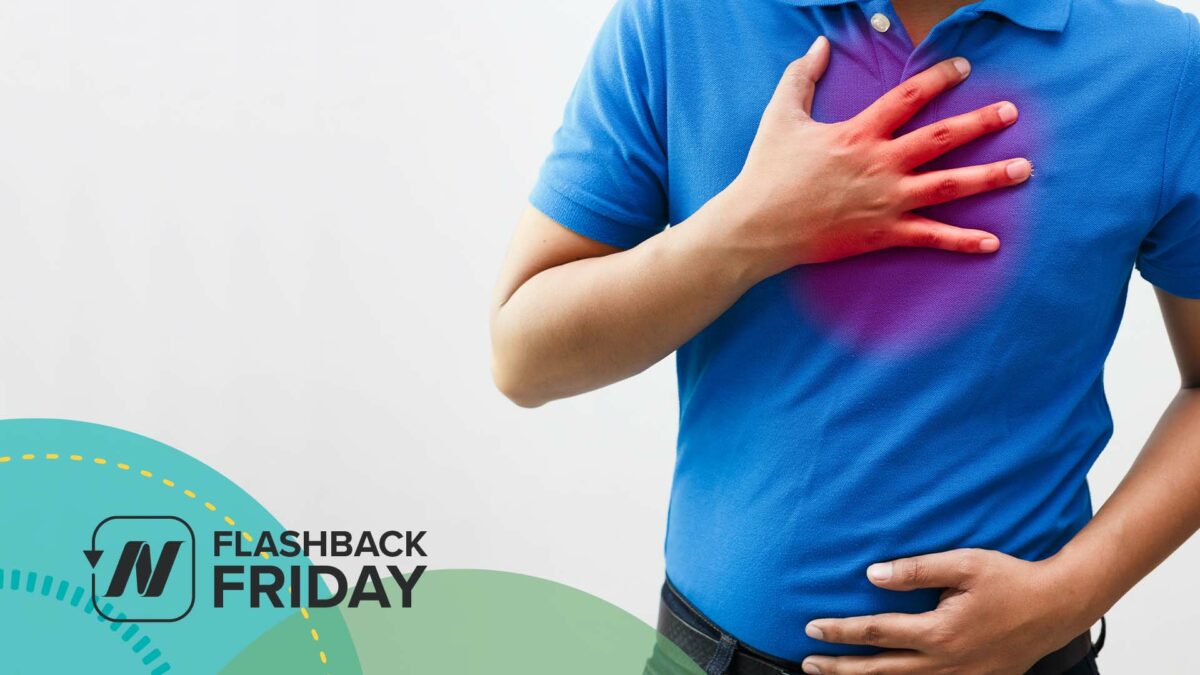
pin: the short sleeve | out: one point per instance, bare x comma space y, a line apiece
605, 177
1170, 255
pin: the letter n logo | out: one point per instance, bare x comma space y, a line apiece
151, 577
143, 568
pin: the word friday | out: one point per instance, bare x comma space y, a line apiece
267, 582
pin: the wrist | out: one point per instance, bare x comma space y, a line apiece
1078, 587
724, 237
744, 229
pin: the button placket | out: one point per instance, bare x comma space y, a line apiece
889, 39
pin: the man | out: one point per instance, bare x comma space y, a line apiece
889, 333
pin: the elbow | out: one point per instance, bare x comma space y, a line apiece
511, 372
515, 387
515, 381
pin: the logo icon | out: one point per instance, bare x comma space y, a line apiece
153, 578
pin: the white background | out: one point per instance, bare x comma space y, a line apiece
265, 232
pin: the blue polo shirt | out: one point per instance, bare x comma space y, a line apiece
907, 401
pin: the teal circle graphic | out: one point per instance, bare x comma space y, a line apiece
58, 481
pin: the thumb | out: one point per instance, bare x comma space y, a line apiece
952, 569
799, 82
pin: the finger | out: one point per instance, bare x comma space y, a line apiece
939, 187
892, 663
899, 105
932, 141
894, 630
951, 569
799, 82
915, 231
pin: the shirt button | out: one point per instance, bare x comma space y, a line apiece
881, 23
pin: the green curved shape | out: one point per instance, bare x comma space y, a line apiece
277, 650
466, 622
482, 622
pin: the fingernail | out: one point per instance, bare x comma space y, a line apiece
880, 571
812, 631
811, 668
1007, 112
1018, 169
989, 245
816, 43
962, 66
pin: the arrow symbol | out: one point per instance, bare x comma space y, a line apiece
93, 556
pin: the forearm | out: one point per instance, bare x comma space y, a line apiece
592, 322
1154, 510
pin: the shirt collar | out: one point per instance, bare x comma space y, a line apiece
1047, 15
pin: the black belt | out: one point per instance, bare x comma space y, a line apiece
718, 653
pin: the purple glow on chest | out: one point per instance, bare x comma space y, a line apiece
903, 300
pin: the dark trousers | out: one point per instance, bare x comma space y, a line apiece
690, 644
